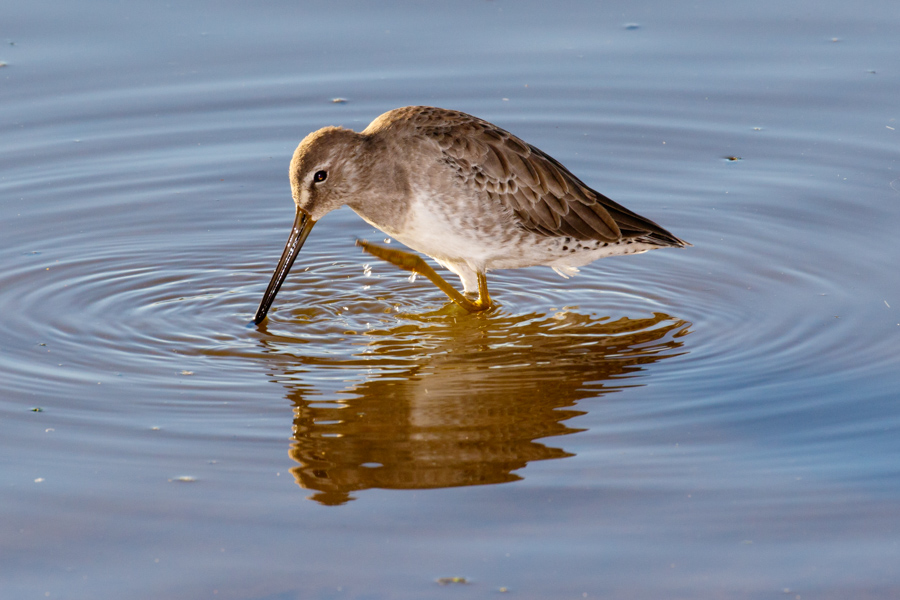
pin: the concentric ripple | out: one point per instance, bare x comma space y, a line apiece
172, 263
151, 260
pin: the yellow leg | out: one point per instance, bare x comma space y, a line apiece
415, 263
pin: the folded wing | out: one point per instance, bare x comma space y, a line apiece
544, 196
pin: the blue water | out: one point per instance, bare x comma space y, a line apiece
715, 422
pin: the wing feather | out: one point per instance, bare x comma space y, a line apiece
542, 195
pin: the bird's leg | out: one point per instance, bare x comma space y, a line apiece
415, 263
484, 298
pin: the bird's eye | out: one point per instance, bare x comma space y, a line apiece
320, 176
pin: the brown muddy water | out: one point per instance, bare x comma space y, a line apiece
715, 422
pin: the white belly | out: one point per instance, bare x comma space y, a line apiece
468, 237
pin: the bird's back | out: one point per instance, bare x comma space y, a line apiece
541, 194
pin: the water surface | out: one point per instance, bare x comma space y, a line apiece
714, 422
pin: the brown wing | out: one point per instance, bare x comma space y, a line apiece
543, 195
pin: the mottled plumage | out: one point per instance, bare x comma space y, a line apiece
454, 187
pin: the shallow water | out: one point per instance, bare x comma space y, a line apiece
714, 422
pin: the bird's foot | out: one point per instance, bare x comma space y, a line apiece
415, 263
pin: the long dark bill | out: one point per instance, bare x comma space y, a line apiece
302, 226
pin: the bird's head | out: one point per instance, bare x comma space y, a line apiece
322, 171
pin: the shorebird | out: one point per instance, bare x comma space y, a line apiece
463, 191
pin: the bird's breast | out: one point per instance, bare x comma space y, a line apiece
454, 226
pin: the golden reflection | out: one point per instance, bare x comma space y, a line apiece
455, 402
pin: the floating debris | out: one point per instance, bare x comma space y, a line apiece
631, 26
338, 100
187, 372
451, 580
184, 479
733, 158
37, 409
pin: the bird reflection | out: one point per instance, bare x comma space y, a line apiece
446, 402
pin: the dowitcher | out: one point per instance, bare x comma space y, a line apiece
461, 190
